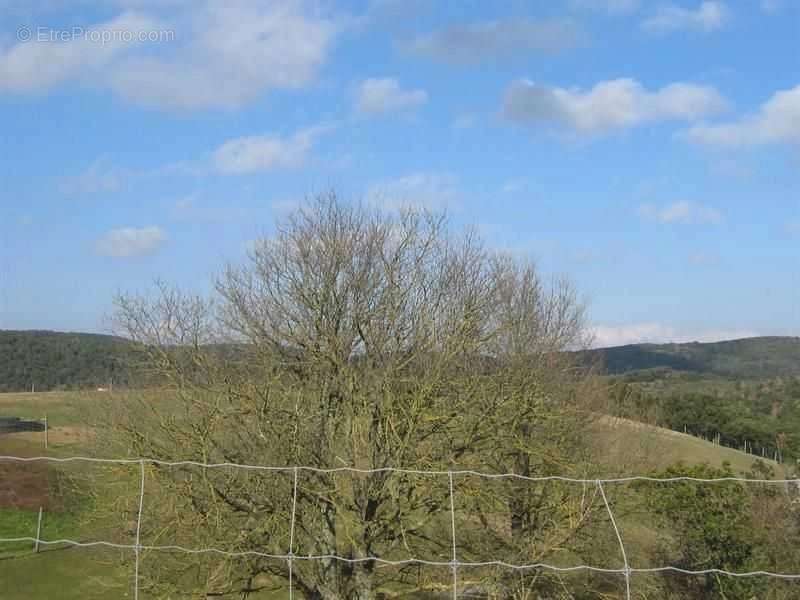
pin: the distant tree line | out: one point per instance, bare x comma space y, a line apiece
47, 361
762, 416
749, 358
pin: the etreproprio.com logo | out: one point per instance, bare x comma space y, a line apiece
96, 36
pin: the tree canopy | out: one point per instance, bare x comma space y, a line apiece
368, 340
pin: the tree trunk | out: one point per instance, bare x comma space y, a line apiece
362, 576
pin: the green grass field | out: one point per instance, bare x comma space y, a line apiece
56, 571
638, 448
62, 409
81, 573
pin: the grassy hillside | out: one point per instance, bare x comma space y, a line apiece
60, 361
639, 448
745, 393
758, 357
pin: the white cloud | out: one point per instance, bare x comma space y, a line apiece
220, 55
709, 16
432, 191
266, 152
656, 333
612, 7
39, 64
609, 105
380, 96
777, 121
237, 51
682, 212
47, 7
237, 156
100, 176
129, 242
477, 42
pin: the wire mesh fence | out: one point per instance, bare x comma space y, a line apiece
453, 563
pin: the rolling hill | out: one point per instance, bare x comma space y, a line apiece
52, 360
756, 358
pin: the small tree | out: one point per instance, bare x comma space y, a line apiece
357, 338
711, 528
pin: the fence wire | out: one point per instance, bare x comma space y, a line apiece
454, 564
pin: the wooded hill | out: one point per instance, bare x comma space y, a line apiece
752, 358
744, 394
50, 360
53, 360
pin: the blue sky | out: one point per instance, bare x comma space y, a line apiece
649, 150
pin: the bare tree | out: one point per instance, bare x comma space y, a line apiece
358, 338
